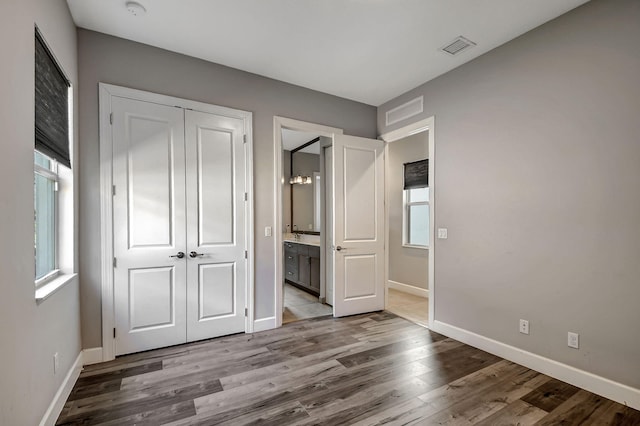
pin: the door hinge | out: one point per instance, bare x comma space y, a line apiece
246, 312
115, 262
244, 138
56, 186
246, 196
114, 332
110, 118
113, 190
246, 254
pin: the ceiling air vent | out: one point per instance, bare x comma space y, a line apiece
458, 45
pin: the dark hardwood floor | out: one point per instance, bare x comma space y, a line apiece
362, 370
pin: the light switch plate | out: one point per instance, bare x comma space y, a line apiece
573, 340
267, 231
442, 233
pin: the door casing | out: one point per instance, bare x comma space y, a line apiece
280, 123
106, 91
427, 124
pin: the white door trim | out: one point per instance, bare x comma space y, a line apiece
280, 123
403, 132
106, 199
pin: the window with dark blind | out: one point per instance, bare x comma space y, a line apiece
51, 105
416, 204
416, 174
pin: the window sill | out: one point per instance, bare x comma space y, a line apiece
416, 247
43, 292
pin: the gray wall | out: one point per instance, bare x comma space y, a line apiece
407, 265
112, 60
30, 333
304, 164
537, 178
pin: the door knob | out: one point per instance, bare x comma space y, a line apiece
179, 255
194, 254
338, 248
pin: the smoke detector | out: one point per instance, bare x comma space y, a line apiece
135, 8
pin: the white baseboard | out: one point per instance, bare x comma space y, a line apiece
406, 288
91, 356
599, 385
264, 324
55, 408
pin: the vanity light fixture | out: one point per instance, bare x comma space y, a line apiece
302, 180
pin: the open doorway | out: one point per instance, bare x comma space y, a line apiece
303, 200
303, 285
410, 222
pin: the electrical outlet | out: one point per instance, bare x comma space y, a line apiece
311, 227
573, 340
56, 363
524, 326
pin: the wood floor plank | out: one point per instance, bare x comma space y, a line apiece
483, 403
152, 403
291, 413
469, 386
360, 405
120, 373
516, 413
240, 400
550, 395
386, 350
369, 369
403, 413
286, 367
583, 407
155, 417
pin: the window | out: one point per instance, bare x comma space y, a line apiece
45, 202
416, 217
52, 163
416, 204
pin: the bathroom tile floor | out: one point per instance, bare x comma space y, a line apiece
299, 304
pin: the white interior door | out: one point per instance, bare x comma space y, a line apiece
179, 220
216, 240
149, 225
358, 170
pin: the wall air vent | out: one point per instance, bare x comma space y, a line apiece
404, 111
458, 45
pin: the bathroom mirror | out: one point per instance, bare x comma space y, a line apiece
305, 171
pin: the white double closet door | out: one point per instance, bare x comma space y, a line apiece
179, 225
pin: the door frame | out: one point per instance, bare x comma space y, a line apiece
428, 124
106, 92
280, 123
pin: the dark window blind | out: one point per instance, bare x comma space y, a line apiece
51, 105
416, 174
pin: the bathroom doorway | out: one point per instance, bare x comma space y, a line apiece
304, 287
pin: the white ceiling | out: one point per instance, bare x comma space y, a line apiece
366, 50
292, 139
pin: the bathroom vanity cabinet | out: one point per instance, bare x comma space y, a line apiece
302, 266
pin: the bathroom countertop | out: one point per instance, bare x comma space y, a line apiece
310, 240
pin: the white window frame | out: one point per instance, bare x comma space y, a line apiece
64, 271
51, 174
407, 203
